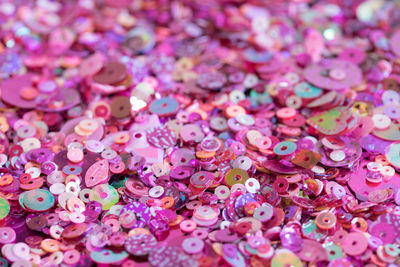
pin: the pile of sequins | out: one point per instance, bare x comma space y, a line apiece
199, 133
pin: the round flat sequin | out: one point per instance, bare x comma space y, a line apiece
105, 194
355, 244
164, 106
111, 73
285, 148
38, 200
236, 176
306, 90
